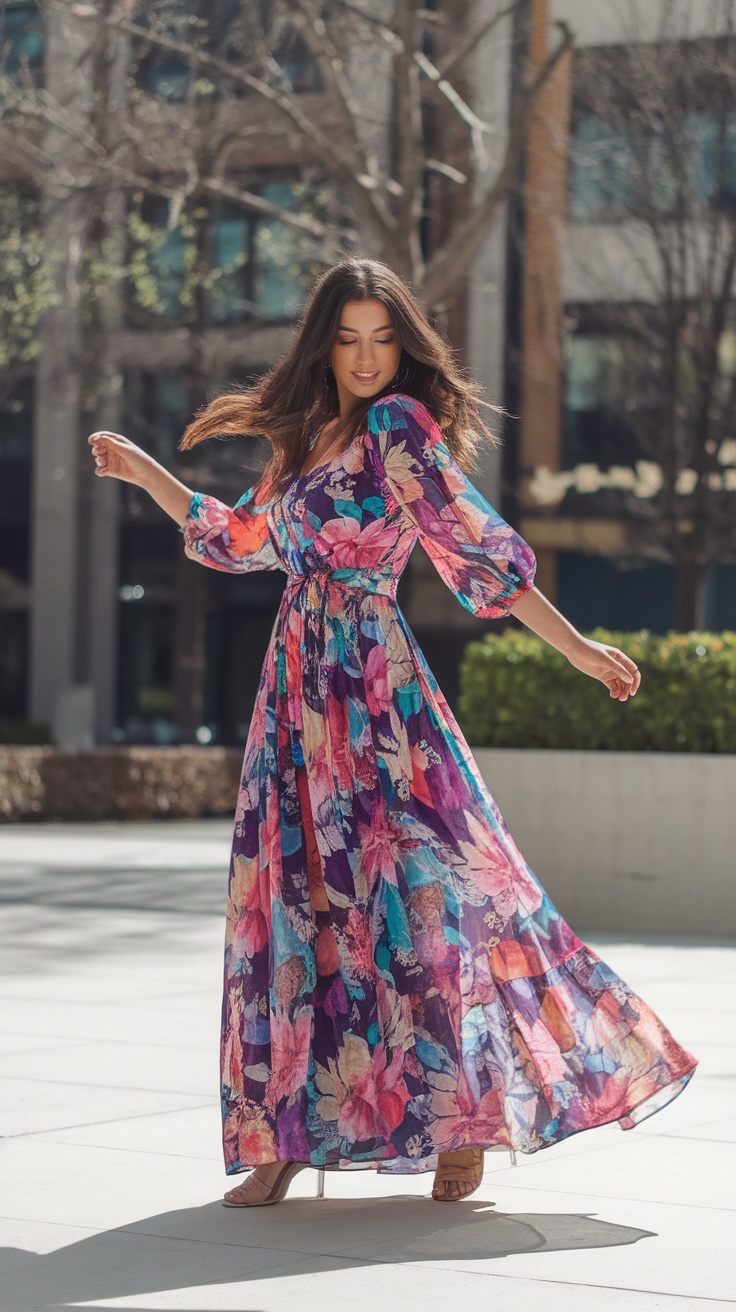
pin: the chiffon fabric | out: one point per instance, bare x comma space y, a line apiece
397, 982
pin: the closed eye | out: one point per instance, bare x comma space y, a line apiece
380, 341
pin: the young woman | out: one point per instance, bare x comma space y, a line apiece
399, 990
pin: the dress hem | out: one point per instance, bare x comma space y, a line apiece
383, 1164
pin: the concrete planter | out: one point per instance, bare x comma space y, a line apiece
624, 840
620, 840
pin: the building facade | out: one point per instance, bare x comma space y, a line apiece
108, 632
629, 197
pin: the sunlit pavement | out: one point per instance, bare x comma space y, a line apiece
111, 1173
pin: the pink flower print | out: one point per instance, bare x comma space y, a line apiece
543, 1051
401, 470
247, 1134
360, 1092
377, 691
348, 546
247, 926
290, 1040
377, 844
487, 863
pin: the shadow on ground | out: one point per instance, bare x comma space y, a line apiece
210, 1246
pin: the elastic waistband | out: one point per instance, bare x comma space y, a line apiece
362, 580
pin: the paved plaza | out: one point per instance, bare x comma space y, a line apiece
111, 1173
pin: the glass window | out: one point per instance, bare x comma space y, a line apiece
220, 27
168, 266
230, 241
281, 271
156, 409
614, 174
162, 72
729, 157
602, 393
21, 26
600, 169
251, 265
293, 56
159, 260
594, 590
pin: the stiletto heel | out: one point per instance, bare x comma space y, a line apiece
512, 1155
261, 1194
320, 1183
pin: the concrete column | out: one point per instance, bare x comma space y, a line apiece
545, 221
102, 495
487, 284
54, 593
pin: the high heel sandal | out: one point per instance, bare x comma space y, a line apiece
465, 1166
273, 1193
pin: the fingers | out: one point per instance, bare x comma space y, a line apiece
103, 446
616, 659
628, 664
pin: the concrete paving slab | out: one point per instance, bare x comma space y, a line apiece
27, 1107
651, 1168
111, 1172
190, 1132
120, 1066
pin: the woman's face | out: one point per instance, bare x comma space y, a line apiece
365, 354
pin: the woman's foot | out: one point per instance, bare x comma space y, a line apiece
458, 1174
266, 1184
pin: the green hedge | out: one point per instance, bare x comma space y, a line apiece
518, 691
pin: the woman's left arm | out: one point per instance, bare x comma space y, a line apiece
613, 667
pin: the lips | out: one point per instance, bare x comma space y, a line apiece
366, 378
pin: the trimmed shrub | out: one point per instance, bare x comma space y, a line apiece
518, 691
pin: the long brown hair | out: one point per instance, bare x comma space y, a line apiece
298, 396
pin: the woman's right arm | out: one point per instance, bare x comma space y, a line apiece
116, 457
232, 539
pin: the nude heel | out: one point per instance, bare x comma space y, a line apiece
320, 1183
512, 1155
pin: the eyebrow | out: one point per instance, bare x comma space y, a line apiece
341, 328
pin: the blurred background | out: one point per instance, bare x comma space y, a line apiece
557, 180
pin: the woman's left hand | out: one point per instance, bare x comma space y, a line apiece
613, 667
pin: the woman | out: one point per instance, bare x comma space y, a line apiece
399, 991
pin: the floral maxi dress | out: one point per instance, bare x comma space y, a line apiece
397, 982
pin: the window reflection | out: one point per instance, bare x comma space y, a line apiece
221, 262
619, 170
21, 29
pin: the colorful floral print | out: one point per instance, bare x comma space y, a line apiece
397, 982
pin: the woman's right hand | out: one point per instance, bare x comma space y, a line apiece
117, 457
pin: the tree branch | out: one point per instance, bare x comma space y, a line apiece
451, 262
327, 150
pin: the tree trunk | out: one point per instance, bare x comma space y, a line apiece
690, 596
189, 645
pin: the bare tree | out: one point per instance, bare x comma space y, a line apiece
370, 110
655, 163
243, 101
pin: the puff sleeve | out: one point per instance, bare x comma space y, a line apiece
236, 540
483, 561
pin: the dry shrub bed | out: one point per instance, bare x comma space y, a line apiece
118, 783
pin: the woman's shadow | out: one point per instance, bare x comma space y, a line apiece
212, 1245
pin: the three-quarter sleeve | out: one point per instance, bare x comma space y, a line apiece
235, 539
484, 562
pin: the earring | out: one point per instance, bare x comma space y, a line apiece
399, 382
